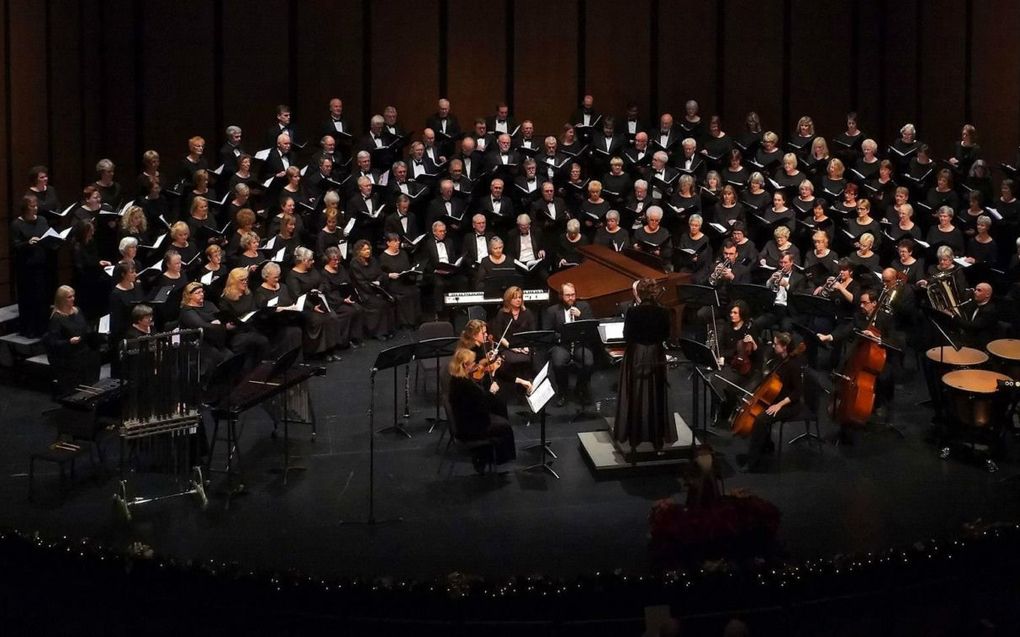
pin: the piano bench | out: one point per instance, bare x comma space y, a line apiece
60, 453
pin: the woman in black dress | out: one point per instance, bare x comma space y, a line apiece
642, 410
89, 277
239, 303
39, 187
981, 248
479, 414
496, 271
369, 279
249, 256
612, 235
126, 294
323, 331
340, 294
946, 233
513, 318
134, 224
569, 243
110, 190
402, 287
72, 358
175, 278
34, 267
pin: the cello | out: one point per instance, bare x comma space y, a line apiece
853, 398
754, 404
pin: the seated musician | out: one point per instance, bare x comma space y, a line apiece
874, 310
478, 413
568, 310
726, 271
512, 318
737, 345
475, 337
783, 282
945, 267
843, 289
978, 320
789, 370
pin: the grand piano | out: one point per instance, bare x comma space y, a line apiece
605, 278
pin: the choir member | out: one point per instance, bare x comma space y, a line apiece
946, 233
109, 190
72, 357
611, 235
126, 294
496, 271
369, 279
323, 330
39, 187
401, 282
567, 248
34, 267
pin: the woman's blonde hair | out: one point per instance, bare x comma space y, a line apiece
459, 362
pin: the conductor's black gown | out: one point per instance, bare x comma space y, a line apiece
642, 410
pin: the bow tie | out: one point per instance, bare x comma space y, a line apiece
496, 200
417, 162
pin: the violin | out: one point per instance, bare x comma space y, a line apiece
742, 421
492, 360
740, 362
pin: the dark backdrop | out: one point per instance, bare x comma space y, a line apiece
85, 79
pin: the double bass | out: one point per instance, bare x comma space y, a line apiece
853, 398
754, 404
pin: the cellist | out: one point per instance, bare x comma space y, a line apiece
737, 349
789, 370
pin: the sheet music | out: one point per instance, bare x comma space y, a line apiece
207, 278
540, 395
263, 154
104, 324
541, 376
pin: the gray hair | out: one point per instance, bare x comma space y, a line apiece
331, 198
104, 164
984, 219
302, 253
523, 219
233, 130
641, 183
573, 226
495, 241
378, 119
270, 268
908, 128
612, 214
944, 252
656, 213
242, 189
127, 242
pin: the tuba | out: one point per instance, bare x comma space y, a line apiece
943, 294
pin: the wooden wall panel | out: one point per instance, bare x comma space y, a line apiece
405, 61
476, 65
820, 63
6, 196
118, 91
29, 102
178, 63
255, 73
66, 119
753, 64
687, 59
901, 104
545, 65
617, 48
868, 100
330, 60
943, 50
995, 89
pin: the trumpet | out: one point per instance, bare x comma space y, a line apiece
773, 282
830, 285
720, 268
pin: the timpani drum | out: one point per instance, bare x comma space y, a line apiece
946, 356
974, 396
1006, 354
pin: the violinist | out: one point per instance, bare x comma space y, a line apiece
489, 369
788, 369
736, 348
479, 413
568, 310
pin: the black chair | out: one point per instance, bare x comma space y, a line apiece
482, 445
810, 420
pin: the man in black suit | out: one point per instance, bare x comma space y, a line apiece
605, 145
367, 208
525, 141
730, 271
525, 244
315, 183
444, 125
400, 185
662, 177
667, 138
475, 246
502, 159
585, 118
552, 164
447, 208
580, 354
470, 158
336, 124
527, 185
978, 321
549, 210
484, 140
377, 142
329, 150
501, 122
497, 208
436, 255
230, 152
402, 222
632, 123
363, 168
280, 158
390, 122
690, 162
638, 157
461, 184
784, 282
433, 151
282, 126
419, 164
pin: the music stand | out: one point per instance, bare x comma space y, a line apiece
582, 332
279, 371
539, 397
392, 358
533, 340
701, 358
937, 318
436, 348
386, 356
811, 305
